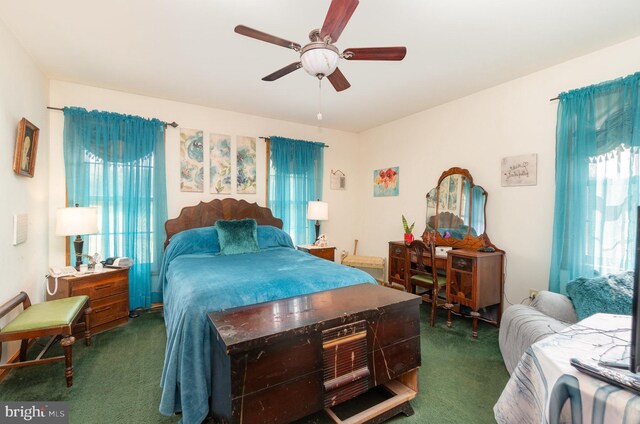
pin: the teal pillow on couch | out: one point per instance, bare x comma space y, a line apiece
609, 294
238, 236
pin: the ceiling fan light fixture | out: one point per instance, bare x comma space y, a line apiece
319, 59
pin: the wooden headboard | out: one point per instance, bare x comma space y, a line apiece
206, 215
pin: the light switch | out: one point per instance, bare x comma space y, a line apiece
20, 227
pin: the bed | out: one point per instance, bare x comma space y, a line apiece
197, 279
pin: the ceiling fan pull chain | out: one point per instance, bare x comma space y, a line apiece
319, 99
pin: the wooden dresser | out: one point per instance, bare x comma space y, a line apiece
397, 252
474, 279
279, 361
108, 292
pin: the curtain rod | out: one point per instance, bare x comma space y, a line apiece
555, 98
166, 124
267, 138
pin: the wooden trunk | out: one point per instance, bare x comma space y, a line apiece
279, 361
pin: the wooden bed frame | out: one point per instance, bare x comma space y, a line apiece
206, 214
402, 389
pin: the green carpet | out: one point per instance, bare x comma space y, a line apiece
117, 379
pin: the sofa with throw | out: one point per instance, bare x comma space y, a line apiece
549, 313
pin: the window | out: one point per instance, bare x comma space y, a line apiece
116, 162
613, 173
295, 178
597, 181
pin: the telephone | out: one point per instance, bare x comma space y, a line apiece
118, 262
59, 271
55, 272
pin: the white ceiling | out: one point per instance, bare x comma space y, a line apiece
187, 51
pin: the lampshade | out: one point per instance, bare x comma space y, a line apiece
319, 59
318, 210
76, 221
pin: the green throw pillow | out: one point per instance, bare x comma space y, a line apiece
610, 294
238, 236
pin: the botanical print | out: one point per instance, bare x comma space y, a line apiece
246, 163
386, 182
191, 160
220, 163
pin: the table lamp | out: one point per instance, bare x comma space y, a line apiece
77, 221
319, 211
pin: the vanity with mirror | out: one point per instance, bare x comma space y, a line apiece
456, 210
472, 265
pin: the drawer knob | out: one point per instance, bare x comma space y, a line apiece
103, 287
461, 264
106, 308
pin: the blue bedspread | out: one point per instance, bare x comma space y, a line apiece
198, 280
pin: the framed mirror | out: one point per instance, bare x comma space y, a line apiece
432, 197
456, 211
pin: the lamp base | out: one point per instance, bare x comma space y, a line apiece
317, 230
78, 245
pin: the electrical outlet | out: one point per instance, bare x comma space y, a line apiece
532, 294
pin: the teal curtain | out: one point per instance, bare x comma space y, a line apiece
295, 178
117, 163
597, 187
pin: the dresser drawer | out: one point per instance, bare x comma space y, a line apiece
105, 288
109, 309
327, 253
462, 264
396, 251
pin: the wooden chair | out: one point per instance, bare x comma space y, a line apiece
424, 275
55, 318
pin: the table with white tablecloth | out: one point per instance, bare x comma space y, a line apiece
545, 388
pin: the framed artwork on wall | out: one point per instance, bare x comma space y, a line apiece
338, 180
519, 170
220, 163
386, 182
246, 165
191, 160
24, 156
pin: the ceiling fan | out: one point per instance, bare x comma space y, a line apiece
320, 57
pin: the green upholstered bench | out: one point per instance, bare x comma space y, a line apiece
55, 318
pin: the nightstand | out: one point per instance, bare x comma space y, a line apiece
108, 293
327, 252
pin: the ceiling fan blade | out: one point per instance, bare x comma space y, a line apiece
375, 53
283, 71
339, 13
338, 80
263, 36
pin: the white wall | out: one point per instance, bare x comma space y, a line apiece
23, 93
341, 154
475, 133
